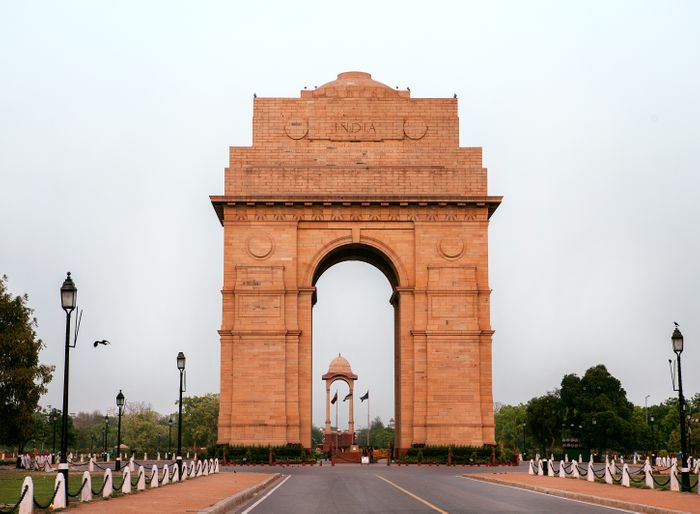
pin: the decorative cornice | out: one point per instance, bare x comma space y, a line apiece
429, 208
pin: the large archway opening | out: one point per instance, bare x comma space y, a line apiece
353, 315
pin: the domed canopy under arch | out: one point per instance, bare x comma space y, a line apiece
339, 368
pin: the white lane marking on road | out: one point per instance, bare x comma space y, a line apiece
265, 497
546, 494
425, 502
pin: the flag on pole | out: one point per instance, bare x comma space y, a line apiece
365, 396
347, 397
335, 398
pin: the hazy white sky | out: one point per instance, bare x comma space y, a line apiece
115, 123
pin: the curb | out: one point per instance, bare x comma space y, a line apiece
597, 500
229, 503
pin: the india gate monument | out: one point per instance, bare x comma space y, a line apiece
356, 170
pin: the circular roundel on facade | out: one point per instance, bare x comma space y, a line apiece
260, 246
451, 247
296, 128
415, 128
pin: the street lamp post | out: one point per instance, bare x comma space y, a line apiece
69, 296
170, 433
646, 409
105, 431
594, 422
120, 405
653, 439
181, 367
677, 343
53, 445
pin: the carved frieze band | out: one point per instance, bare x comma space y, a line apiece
293, 213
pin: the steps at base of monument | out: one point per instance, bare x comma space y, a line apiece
353, 457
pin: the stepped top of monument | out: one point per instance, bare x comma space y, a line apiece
355, 84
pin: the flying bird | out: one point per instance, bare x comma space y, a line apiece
104, 342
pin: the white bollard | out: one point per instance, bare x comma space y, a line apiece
566, 458
540, 472
132, 468
531, 468
27, 504
648, 480
574, 469
183, 475
166, 477
145, 455
216, 465
188, 455
192, 469
126, 480
550, 468
674, 478
625, 475
59, 501
176, 473
107, 491
562, 473
158, 457
206, 468
91, 465
199, 468
608, 475
590, 476
141, 481
86, 493
154, 476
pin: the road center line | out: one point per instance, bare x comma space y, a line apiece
425, 502
268, 494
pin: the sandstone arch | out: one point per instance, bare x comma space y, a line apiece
356, 170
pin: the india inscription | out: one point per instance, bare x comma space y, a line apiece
355, 169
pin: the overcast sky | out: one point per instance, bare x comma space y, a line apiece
115, 123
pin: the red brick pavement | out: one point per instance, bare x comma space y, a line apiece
635, 499
189, 496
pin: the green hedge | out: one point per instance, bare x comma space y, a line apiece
460, 455
261, 454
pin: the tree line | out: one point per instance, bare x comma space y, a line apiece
142, 429
591, 414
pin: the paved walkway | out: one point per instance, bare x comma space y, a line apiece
630, 498
193, 495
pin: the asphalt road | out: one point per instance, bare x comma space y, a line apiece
351, 488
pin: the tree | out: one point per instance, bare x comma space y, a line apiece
544, 418
379, 437
200, 418
316, 436
510, 425
22, 379
598, 404
143, 429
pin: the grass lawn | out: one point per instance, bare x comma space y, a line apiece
11, 485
